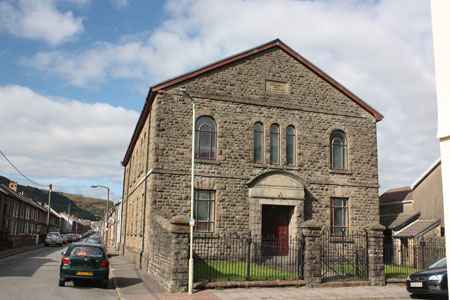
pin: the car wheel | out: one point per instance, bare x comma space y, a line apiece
61, 282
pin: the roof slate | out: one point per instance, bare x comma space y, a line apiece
418, 228
398, 221
18, 196
396, 195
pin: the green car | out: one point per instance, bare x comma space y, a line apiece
84, 261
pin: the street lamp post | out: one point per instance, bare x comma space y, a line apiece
49, 206
184, 92
106, 210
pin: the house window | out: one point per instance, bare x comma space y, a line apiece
258, 144
204, 210
338, 145
290, 145
205, 138
275, 144
339, 216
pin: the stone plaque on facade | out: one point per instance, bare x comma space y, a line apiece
277, 87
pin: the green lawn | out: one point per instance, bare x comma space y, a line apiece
392, 271
235, 271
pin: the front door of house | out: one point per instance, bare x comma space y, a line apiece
275, 230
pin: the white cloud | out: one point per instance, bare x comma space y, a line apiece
38, 20
119, 4
380, 50
48, 137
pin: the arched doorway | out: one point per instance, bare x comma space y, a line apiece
276, 208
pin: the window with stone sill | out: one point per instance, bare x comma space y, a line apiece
204, 210
290, 145
339, 216
258, 143
338, 150
205, 138
274, 144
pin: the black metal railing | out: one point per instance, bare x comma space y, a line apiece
344, 257
234, 258
407, 255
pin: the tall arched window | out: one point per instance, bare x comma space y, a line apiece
258, 143
338, 150
274, 144
290, 145
205, 138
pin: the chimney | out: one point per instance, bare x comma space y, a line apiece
13, 185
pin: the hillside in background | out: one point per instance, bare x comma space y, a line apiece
83, 207
93, 205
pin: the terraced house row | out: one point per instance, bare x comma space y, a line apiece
24, 222
278, 143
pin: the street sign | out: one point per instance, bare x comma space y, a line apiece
191, 222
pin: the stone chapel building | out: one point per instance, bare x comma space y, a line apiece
278, 142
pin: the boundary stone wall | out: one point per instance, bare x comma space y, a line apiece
167, 257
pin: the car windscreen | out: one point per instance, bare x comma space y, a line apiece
442, 263
52, 234
86, 251
94, 241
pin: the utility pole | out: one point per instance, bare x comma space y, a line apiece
49, 203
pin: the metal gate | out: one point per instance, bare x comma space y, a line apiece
234, 258
344, 257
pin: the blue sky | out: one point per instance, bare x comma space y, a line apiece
75, 73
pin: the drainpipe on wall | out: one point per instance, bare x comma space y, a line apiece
147, 174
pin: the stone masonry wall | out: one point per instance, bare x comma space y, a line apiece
235, 96
168, 253
312, 106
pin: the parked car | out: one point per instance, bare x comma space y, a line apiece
94, 240
65, 238
71, 237
53, 238
83, 261
432, 280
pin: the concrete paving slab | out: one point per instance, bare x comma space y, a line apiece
134, 284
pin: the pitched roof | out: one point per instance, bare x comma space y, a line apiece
18, 196
272, 44
396, 195
398, 221
418, 228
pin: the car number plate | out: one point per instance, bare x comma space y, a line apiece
416, 284
84, 273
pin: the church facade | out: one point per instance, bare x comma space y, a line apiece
278, 142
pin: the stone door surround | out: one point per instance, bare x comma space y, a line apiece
276, 188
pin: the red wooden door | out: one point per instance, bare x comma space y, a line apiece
275, 229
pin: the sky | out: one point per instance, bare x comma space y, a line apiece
74, 75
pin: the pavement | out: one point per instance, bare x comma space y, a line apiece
134, 284
10, 252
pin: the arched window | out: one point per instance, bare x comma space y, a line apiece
205, 138
258, 143
274, 144
290, 145
338, 150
